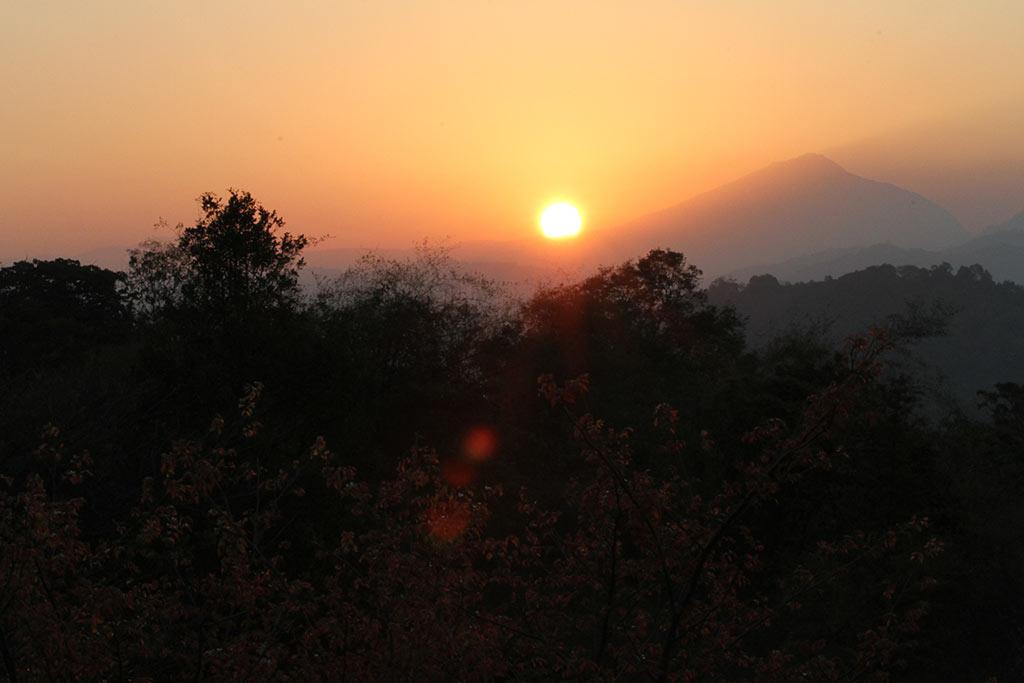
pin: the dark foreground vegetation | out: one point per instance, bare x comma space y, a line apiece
209, 475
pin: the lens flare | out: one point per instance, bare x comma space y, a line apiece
479, 444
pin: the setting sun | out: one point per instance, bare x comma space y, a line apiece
560, 221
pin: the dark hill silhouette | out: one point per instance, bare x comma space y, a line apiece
978, 347
794, 207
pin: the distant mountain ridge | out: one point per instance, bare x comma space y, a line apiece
793, 207
999, 250
1014, 225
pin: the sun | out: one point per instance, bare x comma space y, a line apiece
560, 221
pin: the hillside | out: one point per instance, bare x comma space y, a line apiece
790, 208
980, 346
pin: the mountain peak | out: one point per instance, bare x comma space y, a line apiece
811, 160
807, 170
805, 166
805, 204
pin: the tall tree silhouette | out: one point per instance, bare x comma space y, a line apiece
223, 298
238, 258
233, 262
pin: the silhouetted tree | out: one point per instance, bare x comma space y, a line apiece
221, 302
401, 351
49, 309
233, 262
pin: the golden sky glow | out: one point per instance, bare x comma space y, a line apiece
384, 122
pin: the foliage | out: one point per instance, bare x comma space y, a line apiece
431, 482
233, 262
212, 573
46, 307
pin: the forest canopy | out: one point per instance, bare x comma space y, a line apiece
209, 472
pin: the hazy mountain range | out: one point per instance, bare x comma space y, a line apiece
801, 219
1000, 250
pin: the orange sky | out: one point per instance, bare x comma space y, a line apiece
385, 122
